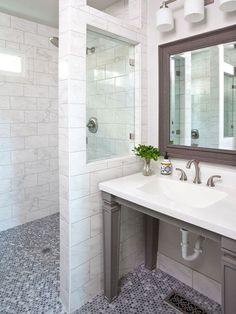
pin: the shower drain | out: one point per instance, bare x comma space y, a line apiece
183, 305
46, 250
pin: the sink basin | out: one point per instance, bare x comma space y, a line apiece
183, 192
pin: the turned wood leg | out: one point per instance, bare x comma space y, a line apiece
151, 242
111, 242
228, 261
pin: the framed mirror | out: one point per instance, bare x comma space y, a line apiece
197, 97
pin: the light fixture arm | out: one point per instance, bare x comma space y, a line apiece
165, 3
194, 12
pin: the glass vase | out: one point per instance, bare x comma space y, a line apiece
147, 171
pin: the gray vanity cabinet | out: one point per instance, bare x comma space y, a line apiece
228, 248
111, 224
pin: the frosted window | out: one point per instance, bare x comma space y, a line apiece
10, 63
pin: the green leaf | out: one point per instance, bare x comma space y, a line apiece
147, 152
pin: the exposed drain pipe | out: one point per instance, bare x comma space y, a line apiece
185, 244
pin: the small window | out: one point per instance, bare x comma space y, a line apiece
11, 62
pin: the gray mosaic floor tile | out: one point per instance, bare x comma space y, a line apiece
144, 291
29, 278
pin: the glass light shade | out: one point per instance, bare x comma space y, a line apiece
164, 20
227, 5
194, 10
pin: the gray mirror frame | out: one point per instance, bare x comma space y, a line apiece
221, 36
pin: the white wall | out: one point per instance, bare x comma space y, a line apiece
80, 198
169, 236
28, 124
128, 10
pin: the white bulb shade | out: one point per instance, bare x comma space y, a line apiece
194, 10
164, 20
227, 5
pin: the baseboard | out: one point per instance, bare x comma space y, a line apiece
192, 278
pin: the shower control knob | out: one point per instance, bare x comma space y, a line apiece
92, 125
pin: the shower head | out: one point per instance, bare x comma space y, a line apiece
90, 50
54, 41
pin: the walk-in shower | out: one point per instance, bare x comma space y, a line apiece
110, 110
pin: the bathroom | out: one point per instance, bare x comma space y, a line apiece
84, 82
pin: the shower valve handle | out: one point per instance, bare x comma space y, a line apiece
92, 125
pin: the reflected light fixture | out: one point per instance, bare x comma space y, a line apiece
164, 18
194, 10
227, 5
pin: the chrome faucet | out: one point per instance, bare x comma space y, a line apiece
183, 176
197, 179
210, 181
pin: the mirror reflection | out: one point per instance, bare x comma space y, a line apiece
203, 97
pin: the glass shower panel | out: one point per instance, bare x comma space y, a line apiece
177, 99
229, 90
110, 108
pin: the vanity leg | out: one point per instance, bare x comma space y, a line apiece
228, 259
111, 242
151, 242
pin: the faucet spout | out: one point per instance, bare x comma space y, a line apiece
197, 179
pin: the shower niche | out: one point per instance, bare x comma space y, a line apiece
110, 97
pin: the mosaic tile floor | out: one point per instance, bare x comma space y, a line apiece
143, 292
29, 278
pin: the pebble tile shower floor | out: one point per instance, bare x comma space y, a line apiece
29, 278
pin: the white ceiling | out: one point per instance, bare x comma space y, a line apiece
43, 11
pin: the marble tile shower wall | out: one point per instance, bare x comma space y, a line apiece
80, 199
126, 10
205, 96
28, 124
110, 97
230, 97
198, 94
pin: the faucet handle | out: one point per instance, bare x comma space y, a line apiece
183, 176
210, 181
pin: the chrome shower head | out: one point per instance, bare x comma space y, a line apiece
54, 41
90, 50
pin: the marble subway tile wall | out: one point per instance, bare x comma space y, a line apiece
28, 123
205, 97
127, 10
80, 198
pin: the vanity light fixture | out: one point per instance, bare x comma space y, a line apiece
194, 10
227, 5
164, 18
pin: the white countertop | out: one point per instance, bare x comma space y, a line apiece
219, 217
